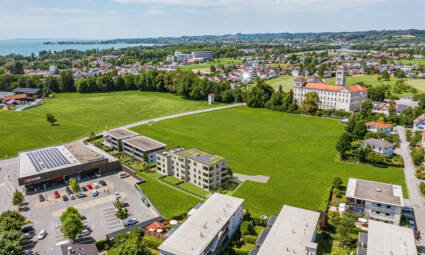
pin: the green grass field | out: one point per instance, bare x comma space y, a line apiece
79, 114
223, 61
296, 151
286, 81
411, 61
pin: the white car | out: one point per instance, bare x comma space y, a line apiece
117, 195
98, 175
85, 232
42, 234
131, 221
95, 193
95, 185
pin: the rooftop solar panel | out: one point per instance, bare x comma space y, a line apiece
47, 158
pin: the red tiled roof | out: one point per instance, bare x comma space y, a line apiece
378, 124
323, 86
156, 225
17, 97
355, 88
419, 118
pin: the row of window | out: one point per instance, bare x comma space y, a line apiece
391, 215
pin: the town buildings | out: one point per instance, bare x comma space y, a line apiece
373, 126
419, 123
205, 170
113, 138
293, 231
208, 229
380, 146
375, 200
195, 55
338, 97
142, 148
383, 238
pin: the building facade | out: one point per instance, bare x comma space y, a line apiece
373, 126
419, 123
347, 98
205, 170
142, 148
380, 146
113, 138
340, 76
374, 200
208, 230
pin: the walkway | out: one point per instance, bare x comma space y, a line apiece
254, 178
417, 201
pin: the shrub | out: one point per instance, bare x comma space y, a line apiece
249, 239
422, 187
152, 241
247, 228
259, 222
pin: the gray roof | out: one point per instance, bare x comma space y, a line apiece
144, 143
378, 143
375, 192
26, 90
384, 238
120, 133
5, 93
79, 249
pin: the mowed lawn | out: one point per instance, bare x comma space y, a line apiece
80, 114
296, 151
216, 62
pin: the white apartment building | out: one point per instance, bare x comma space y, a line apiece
208, 230
203, 169
375, 200
293, 231
113, 138
142, 148
347, 98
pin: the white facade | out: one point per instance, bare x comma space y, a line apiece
419, 123
142, 148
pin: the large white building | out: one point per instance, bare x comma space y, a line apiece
142, 148
293, 231
375, 200
184, 57
205, 170
338, 97
208, 230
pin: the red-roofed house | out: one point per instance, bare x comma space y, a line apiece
155, 226
419, 123
374, 127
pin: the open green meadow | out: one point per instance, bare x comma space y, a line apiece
296, 151
80, 114
286, 81
222, 61
419, 61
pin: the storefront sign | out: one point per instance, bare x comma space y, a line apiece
32, 179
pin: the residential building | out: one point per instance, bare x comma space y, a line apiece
398, 106
208, 229
31, 92
419, 123
340, 76
203, 54
380, 146
53, 70
293, 231
383, 239
373, 126
375, 200
71, 249
203, 169
347, 98
142, 148
113, 138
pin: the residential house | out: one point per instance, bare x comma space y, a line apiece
373, 126
293, 231
380, 146
208, 230
113, 138
31, 92
419, 123
375, 200
142, 148
203, 169
382, 239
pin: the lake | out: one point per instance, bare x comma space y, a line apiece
27, 46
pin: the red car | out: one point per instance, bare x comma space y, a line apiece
89, 186
56, 193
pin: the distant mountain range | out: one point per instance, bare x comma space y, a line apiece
363, 36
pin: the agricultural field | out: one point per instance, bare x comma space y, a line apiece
80, 114
222, 61
286, 81
296, 151
419, 61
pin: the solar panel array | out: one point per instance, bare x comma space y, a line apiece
47, 158
206, 158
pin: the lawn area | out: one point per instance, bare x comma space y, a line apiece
191, 188
296, 151
79, 114
169, 202
418, 61
286, 81
223, 61
171, 180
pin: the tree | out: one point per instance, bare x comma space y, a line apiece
17, 198
366, 108
66, 82
133, 244
310, 103
70, 210
337, 182
118, 204
344, 228
359, 130
344, 143
73, 185
385, 75
247, 228
122, 214
11, 220
72, 225
11, 242
51, 119
212, 69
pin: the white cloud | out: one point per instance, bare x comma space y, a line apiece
182, 2
157, 12
57, 10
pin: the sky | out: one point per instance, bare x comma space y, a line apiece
108, 19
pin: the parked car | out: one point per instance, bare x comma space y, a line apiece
56, 194
412, 224
65, 198
124, 175
97, 175
42, 234
84, 188
95, 185
89, 186
27, 228
125, 204
85, 232
41, 198
130, 221
68, 190
95, 193
80, 194
117, 195
102, 182
28, 235
71, 196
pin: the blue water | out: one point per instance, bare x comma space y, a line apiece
26, 47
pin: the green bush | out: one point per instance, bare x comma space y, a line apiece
247, 228
259, 222
103, 244
152, 241
249, 238
422, 187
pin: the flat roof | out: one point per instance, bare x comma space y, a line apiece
52, 158
384, 238
121, 133
144, 143
292, 232
375, 191
200, 229
200, 156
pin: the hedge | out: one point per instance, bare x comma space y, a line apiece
249, 238
152, 241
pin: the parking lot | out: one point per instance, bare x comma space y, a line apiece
98, 211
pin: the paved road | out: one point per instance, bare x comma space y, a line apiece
8, 182
416, 199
